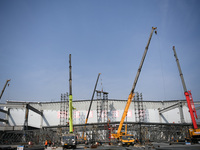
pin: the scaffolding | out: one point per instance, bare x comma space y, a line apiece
102, 115
102, 106
139, 107
64, 105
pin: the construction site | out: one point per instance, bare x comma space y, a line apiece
100, 122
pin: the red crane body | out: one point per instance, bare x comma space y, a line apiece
195, 132
191, 107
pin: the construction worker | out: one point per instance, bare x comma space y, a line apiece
46, 143
49, 142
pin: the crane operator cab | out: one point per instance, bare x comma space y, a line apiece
69, 141
127, 140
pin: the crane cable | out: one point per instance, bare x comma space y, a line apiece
158, 45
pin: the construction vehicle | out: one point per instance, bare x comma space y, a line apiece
127, 139
194, 134
69, 140
4, 88
123, 137
84, 137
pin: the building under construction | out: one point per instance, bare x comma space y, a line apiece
146, 120
103, 121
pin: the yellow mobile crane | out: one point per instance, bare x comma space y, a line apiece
122, 137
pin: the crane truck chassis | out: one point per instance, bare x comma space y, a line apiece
69, 140
127, 140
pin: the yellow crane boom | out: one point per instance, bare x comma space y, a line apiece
131, 95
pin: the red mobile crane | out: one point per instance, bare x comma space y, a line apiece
194, 133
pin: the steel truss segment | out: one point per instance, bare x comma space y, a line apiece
143, 133
169, 108
34, 109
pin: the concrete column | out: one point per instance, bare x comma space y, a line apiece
41, 123
7, 117
180, 107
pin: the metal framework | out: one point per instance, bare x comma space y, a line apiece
178, 105
102, 106
139, 108
144, 133
102, 116
64, 105
101, 131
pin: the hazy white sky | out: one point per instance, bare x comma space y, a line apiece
107, 37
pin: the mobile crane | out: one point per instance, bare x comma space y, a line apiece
69, 140
86, 120
122, 137
195, 132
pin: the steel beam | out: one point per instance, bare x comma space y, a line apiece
3, 120
34, 109
3, 111
177, 105
13, 105
181, 112
169, 108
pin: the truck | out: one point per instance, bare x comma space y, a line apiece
127, 140
69, 140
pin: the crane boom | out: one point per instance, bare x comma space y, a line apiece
180, 71
131, 95
70, 97
92, 99
90, 104
187, 93
4, 88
